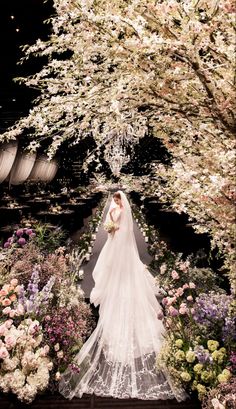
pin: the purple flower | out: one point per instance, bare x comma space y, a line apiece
212, 309
173, 311
74, 368
160, 315
7, 245
229, 330
232, 360
22, 241
19, 232
29, 232
202, 354
10, 239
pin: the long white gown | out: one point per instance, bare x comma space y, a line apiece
119, 358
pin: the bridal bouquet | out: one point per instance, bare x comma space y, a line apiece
110, 226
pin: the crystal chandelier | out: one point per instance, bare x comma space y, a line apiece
117, 157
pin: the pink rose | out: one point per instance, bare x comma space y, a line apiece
10, 341
3, 352
8, 323
174, 275
12, 297
179, 291
192, 285
14, 282
171, 300
190, 298
183, 310
6, 310
185, 286
12, 313
3, 329
46, 349
173, 311
3, 292
164, 301
6, 302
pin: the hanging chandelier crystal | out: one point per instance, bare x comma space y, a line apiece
117, 157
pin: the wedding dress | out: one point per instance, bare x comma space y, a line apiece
119, 358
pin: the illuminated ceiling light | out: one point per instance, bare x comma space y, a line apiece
17, 30
12, 17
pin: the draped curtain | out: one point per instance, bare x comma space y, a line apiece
8, 153
43, 170
22, 167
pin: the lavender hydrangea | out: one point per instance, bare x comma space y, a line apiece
202, 354
212, 312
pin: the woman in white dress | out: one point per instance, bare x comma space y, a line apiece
119, 357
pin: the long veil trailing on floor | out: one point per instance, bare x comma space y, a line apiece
119, 357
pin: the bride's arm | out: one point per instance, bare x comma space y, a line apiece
112, 219
111, 215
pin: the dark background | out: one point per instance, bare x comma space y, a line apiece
21, 22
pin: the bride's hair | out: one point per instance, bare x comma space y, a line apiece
117, 195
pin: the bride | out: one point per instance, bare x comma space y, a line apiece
119, 357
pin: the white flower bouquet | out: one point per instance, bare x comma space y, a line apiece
110, 226
24, 363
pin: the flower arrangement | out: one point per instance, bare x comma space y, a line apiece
200, 336
199, 318
24, 362
42, 309
20, 237
110, 226
13, 204
55, 209
65, 330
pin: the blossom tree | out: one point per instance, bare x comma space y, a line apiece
119, 70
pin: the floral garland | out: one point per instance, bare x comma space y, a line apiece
82, 251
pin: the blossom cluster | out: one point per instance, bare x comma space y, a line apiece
43, 319
24, 362
19, 237
200, 336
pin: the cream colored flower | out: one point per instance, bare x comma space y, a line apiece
185, 376
201, 389
190, 356
198, 368
180, 356
212, 345
179, 343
